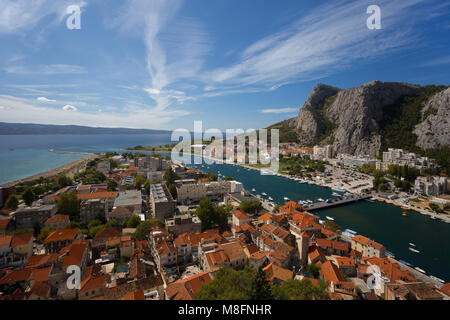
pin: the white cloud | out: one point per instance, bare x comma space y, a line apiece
437, 62
280, 110
23, 15
329, 38
51, 69
44, 99
68, 107
28, 111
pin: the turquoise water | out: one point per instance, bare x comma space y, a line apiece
381, 222
25, 155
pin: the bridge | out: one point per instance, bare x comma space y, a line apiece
336, 202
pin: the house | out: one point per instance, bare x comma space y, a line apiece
161, 201
367, 247
186, 289
331, 247
346, 265
39, 291
121, 214
126, 246
400, 290
184, 223
22, 244
316, 256
92, 286
235, 253
76, 253
29, 217
96, 204
240, 218
59, 239
217, 258
277, 274
259, 259
6, 225
165, 254
184, 248
58, 221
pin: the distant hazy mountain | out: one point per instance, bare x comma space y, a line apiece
29, 128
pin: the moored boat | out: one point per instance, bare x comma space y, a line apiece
420, 270
330, 218
413, 250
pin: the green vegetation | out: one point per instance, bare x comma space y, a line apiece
211, 215
250, 206
287, 133
28, 196
91, 176
132, 222
170, 177
138, 181
143, 228
429, 112
69, 204
333, 226
299, 166
12, 203
251, 284
112, 185
330, 126
313, 270
210, 176
44, 233
300, 290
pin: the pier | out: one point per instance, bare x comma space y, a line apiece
335, 202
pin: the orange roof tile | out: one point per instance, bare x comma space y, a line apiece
240, 215
21, 239
97, 195
62, 234
186, 289
276, 272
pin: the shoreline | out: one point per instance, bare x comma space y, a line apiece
67, 169
442, 217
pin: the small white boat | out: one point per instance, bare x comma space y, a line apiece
414, 250
270, 198
351, 231
321, 221
264, 194
253, 190
320, 200
433, 218
286, 198
420, 270
412, 244
330, 218
437, 279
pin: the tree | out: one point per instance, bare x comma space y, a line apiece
68, 204
260, 288
112, 185
333, 226
147, 186
144, 228
133, 222
138, 181
28, 196
313, 270
64, 181
300, 290
12, 203
228, 284
211, 215
250, 206
44, 233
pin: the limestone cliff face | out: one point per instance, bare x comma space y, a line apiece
434, 130
308, 123
352, 117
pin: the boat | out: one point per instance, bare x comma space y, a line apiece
270, 198
253, 190
420, 270
264, 194
286, 198
351, 231
335, 194
437, 279
405, 263
321, 221
404, 214
330, 218
413, 250
320, 200
405, 208
412, 244
433, 218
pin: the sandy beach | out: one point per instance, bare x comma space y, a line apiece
69, 169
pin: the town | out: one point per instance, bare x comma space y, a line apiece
143, 227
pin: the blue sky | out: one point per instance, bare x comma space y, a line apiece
233, 64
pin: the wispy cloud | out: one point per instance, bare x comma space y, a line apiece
279, 110
22, 15
328, 39
44, 99
23, 110
437, 62
51, 69
175, 47
69, 107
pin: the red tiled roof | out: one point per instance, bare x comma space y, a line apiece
62, 234
92, 283
276, 272
41, 275
4, 223
446, 288
5, 240
136, 295
97, 195
13, 276
40, 289
57, 218
186, 289
21, 239
368, 242
240, 215
331, 272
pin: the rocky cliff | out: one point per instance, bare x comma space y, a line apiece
355, 120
